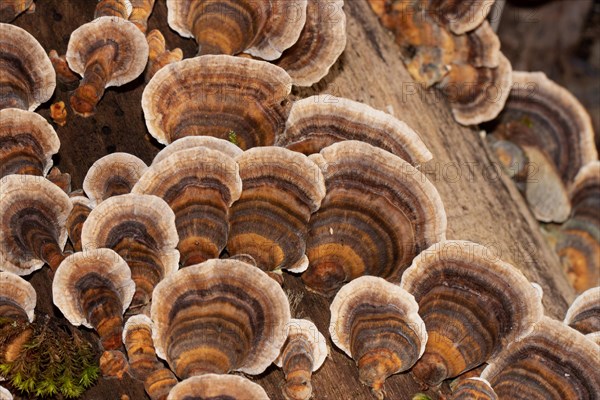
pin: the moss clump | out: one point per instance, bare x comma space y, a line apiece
233, 138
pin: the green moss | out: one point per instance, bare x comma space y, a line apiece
233, 138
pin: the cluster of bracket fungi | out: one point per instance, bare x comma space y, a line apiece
177, 266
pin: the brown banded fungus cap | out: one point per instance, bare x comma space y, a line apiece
231, 98
113, 8
141, 229
460, 16
112, 175
473, 389
554, 362
473, 305
261, 28
213, 386
158, 55
313, 125
27, 143
93, 289
17, 298
28, 78
322, 41
200, 185
303, 352
281, 189
217, 317
140, 12
376, 323
82, 207
584, 314
33, 212
108, 51
189, 142
378, 214
10, 9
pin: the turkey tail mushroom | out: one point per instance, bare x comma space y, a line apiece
158, 55
378, 214
375, 322
189, 142
11, 9
81, 210
473, 389
17, 298
140, 12
213, 386
113, 8
584, 313
473, 305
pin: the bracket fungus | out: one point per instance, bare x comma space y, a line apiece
112, 175
217, 96
109, 51
214, 386
303, 352
200, 185
584, 313
64, 75
376, 323
33, 212
217, 317
554, 362
322, 41
313, 125
269, 222
141, 229
460, 16
82, 207
17, 298
189, 142
378, 214
113, 8
473, 305
94, 289
27, 143
28, 78
158, 55
140, 12
473, 389
11, 9
261, 28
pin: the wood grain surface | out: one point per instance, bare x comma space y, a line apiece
482, 204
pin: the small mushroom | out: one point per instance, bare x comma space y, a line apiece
108, 51
375, 322
63, 73
473, 389
94, 289
189, 142
378, 214
221, 96
269, 222
82, 206
554, 362
28, 78
60, 179
200, 185
303, 352
33, 212
112, 175
141, 229
140, 12
314, 124
158, 55
113, 8
58, 113
460, 16
17, 298
27, 143
322, 41
213, 386
584, 313
263, 29
217, 317
473, 304
11, 9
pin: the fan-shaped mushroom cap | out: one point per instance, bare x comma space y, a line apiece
158, 55
584, 313
219, 316
109, 51
473, 305
322, 41
213, 386
553, 362
27, 143
473, 389
33, 212
313, 125
94, 289
281, 189
5, 394
141, 229
17, 297
113, 8
112, 175
200, 185
460, 16
585, 192
189, 142
82, 207
10, 9
28, 78
376, 323
378, 213
303, 352
140, 12
261, 28
217, 96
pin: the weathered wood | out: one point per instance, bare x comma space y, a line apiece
482, 204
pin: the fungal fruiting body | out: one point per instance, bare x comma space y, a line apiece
473, 389
17, 298
213, 386
81, 209
584, 313
158, 55
189, 142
